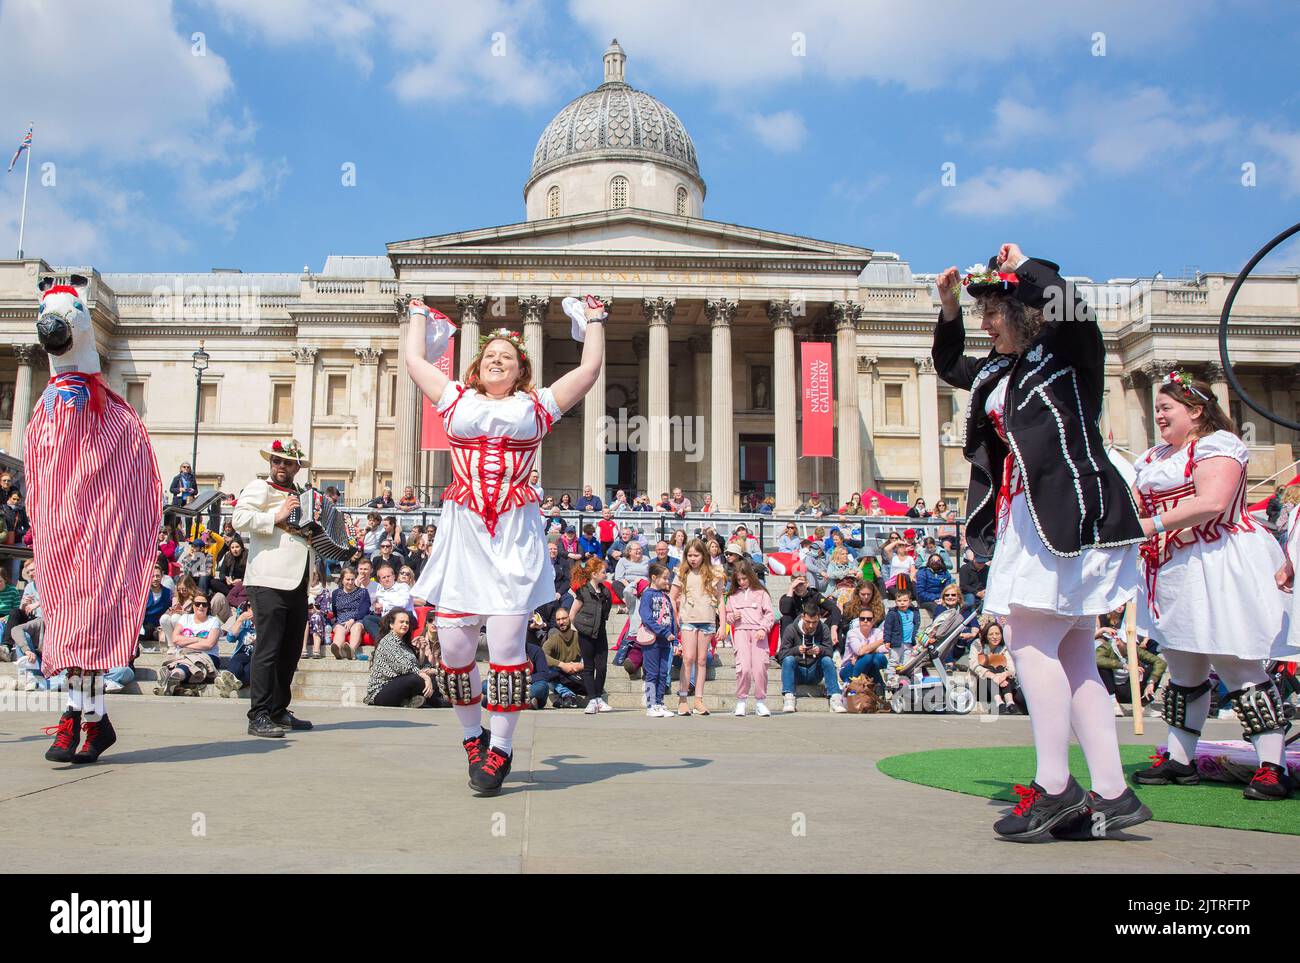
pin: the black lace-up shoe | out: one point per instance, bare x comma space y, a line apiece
1102, 818
1165, 771
99, 736
67, 736
1269, 783
476, 749
261, 725
487, 777
1033, 817
287, 720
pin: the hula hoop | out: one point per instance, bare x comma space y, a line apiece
1223, 332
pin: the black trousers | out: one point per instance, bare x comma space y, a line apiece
595, 653
280, 617
1122, 692
396, 691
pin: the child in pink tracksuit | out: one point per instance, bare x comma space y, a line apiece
748, 610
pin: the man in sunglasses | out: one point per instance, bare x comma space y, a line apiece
279, 560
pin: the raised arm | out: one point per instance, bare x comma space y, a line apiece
570, 388
950, 335
428, 329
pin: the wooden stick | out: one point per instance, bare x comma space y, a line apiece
1134, 679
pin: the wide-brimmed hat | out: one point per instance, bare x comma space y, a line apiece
290, 450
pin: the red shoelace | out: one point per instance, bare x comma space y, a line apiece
91, 729
63, 732
1265, 775
494, 762
1028, 796
472, 749
1158, 761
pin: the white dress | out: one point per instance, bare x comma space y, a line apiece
489, 555
1209, 589
1024, 573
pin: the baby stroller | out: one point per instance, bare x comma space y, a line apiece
909, 689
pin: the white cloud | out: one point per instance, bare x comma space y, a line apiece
782, 132
1283, 152
1005, 191
346, 24
1128, 132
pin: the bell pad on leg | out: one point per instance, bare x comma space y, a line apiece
1177, 700
1259, 707
507, 686
456, 685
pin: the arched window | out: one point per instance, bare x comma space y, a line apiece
681, 201
618, 192
553, 201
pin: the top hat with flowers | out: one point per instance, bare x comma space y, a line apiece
289, 450
993, 280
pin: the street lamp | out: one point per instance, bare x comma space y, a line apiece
201, 359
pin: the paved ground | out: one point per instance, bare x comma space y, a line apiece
384, 790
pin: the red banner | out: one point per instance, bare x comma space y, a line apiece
432, 435
818, 403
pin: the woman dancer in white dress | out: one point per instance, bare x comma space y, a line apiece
1209, 595
489, 563
1062, 519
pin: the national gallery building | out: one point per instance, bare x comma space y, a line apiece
701, 388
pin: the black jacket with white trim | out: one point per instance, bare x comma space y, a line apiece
1053, 409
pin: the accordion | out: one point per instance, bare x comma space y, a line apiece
323, 525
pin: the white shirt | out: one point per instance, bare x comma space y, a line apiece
397, 597
188, 628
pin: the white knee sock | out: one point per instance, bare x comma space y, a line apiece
1091, 714
1188, 669
458, 642
74, 695
1034, 638
92, 697
506, 636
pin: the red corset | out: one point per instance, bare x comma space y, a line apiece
490, 473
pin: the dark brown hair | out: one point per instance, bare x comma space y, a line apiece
1212, 417
386, 623
1026, 323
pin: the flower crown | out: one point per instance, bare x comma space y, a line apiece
989, 277
1184, 381
504, 334
291, 450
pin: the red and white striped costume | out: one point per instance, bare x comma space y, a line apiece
489, 558
95, 499
1209, 589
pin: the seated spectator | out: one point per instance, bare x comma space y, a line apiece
391, 594
853, 506
1112, 663
119, 677
351, 604
973, 579
801, 593
813, 506
816, 563
564, 656
865, 650
753, 550
930, 547
620, 502
156, 604
182, 604
678, 503
837, 539
918, 509
318, 630
662, 555
874, 508
707, 507
408, 502
388, 555
901, 626
566, 502
677, 544
842, 575
587, 541
369, 539
230, 570
365, 577
197, 564
767, 506
900, 568
384, 499
16, 522
805, 657
570, 548
930, 583
947, 617
589, 502
993, 666
418, 555
548, 503
240, 630
396, 678
555, 525
789, 540
195, 640
10, 599
717, 558
866, 597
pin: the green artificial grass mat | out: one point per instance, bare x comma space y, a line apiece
993, 771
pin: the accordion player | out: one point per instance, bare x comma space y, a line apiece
322, 525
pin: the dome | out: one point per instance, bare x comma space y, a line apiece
614, 122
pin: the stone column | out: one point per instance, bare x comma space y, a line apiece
641, 349
1136, 426
931, 470
28, 355
367, 405
701, 348
1278, 387
658, 316
407, 410
722, 463
867, 372
785, 405
471, 313
304, 394
1218, 383
533, 310
847, 421
595, 443
1155, 372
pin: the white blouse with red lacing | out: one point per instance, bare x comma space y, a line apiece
1208, 588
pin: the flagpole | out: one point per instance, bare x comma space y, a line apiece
22, 220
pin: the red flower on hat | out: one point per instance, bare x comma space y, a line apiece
276, 446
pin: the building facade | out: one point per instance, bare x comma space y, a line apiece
701, 383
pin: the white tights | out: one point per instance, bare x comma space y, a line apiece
1056, 663
86, 695
1191, 669
458, 639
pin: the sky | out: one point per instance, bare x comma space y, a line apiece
1117, 139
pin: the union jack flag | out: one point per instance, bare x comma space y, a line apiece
25, 145
72, 390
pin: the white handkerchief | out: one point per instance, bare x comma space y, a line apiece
575, 308
438, 330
